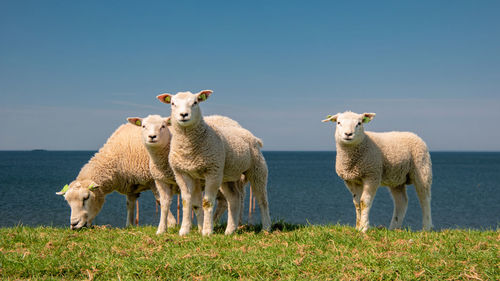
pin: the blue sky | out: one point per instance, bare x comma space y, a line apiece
71, 72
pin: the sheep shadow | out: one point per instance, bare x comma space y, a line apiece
257, 228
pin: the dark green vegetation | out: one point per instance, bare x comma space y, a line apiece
289, 252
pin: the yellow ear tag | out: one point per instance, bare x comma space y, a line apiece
167, 99
64, 189
138, 122
202, 97
91, 187
366, 119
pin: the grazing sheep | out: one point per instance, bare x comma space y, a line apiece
367, 160
121, 165
156, 138
217, 155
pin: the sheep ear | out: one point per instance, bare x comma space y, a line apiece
93, 186
168, 120
135, 121
165, 98
332, 118
367, 117
63, 190
203, 95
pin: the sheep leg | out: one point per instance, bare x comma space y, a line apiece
211, 187
365, 204
264, 209
424, 196
171, 221
258, 182
165, 191
131, 198
232, 195
356, 191
196, 198
400, 199
186, 185
221, 207
241, 187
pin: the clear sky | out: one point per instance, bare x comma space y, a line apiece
72, 71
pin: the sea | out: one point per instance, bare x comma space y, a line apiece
303, 188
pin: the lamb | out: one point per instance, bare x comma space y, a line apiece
217, 155
156, 138
121, 165
367, 160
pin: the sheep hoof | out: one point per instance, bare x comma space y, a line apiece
229, 231
206, 232
183, 231
427, 228
158, 232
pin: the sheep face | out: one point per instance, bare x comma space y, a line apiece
84, 202
185, 106
155, 132
350, 129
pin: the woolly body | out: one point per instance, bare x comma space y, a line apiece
121, 165
391, 156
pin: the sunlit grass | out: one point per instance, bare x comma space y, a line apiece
288, 252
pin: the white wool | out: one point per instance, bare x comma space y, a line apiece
156, 137
121, 165
367, 160
217, 155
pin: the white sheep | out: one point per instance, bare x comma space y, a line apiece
367, 160
121, 165
156, 138
216, 155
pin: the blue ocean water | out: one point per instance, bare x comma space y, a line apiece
302, 188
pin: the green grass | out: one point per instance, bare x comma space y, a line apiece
289, 252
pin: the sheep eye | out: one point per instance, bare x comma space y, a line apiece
338, 122
195, 103
163, 126
144, 126
86, 198
173, 104
359, 123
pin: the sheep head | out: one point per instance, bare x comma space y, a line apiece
155, 132
186, 111
85, 201
349, 129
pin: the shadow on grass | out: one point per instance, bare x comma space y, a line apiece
256, 228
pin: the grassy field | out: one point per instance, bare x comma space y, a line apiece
288, 252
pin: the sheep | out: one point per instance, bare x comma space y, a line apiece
216, 155
156, 138
367, 160
122, 165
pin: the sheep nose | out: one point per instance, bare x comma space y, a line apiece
184, 115
74, 224
152, 137
348, 134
